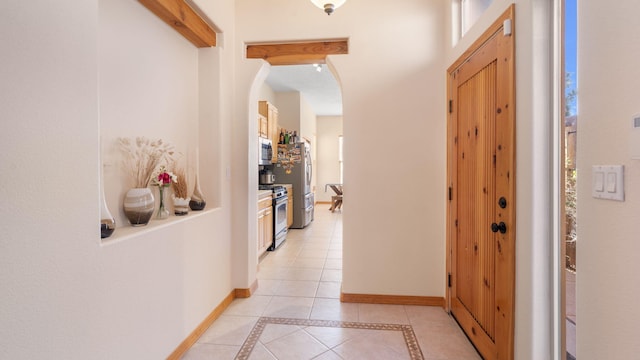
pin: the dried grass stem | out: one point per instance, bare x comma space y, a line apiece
180, 188
143, 156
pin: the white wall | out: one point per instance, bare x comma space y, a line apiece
307, 122
328, 169
288, 104
267, 93
389, 85
607, 285
66, 85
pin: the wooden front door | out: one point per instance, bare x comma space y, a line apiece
481, 177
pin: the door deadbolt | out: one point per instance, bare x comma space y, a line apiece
502, 227
502, 202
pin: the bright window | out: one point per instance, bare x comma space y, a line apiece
470, 11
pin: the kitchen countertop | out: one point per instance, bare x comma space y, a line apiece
264, 193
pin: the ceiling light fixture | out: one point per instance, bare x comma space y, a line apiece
328, 6
318, 67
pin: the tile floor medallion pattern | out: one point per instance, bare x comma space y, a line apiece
329, 340
296, 312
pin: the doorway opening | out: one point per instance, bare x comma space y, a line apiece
309, 101
298, 92
304, 65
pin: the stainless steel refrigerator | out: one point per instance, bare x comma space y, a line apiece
294, 167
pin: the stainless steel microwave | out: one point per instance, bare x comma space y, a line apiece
265, 150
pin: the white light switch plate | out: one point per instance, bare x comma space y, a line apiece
634, 137
608, 182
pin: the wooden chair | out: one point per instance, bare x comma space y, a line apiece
336, 203
336, 200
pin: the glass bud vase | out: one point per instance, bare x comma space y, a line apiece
163, 213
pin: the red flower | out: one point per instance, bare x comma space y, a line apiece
164, 178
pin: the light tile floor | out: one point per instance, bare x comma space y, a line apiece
301, 280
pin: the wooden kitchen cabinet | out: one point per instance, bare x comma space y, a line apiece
270, 112
260, 232
263, 127
265, 224
289, 205
268, 226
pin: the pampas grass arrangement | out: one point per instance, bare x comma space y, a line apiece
143, 156
180, 188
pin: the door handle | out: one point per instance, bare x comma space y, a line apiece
502, 227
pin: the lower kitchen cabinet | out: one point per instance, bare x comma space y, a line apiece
265, 224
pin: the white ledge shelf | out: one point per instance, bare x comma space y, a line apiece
126, 232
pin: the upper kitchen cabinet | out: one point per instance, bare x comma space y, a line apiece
270, 112
263, 127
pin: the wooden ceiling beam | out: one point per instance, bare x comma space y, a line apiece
297, 53
180, 16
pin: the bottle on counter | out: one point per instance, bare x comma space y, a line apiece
281, 140
286, 138
294, 137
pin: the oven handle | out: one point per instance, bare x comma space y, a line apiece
280, 200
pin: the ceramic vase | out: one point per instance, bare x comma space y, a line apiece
197, 202
138, 206
180, 206
107, 221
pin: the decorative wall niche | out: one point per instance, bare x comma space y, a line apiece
166, 89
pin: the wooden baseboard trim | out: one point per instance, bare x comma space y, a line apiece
392, 299
245, 293
204, 325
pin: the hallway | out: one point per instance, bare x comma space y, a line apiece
296, 312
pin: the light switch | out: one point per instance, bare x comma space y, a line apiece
598, 181
608, 182
634, 137
611, 182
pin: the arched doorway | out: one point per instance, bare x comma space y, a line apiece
284, 55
